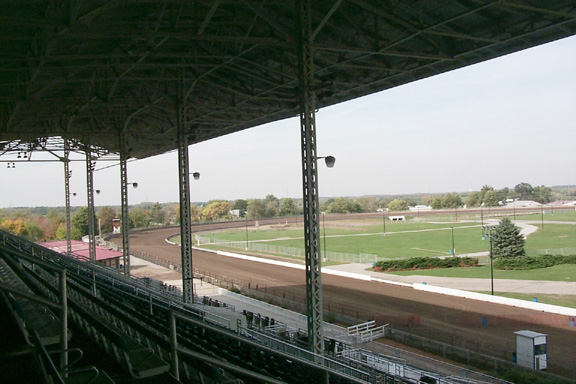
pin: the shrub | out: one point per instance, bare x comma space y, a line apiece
534, 262
425, 263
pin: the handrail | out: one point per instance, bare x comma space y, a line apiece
63, 298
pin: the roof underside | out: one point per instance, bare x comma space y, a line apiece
94, 71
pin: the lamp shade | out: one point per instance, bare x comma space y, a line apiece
330, 161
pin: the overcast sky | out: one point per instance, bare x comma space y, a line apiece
501, 122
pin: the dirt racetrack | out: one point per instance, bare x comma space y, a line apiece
479, 326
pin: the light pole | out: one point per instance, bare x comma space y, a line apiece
384, 210
482, 214
490, 230
453, 248
542, 215
246, 226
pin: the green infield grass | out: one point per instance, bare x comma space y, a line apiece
550, 215
402, 239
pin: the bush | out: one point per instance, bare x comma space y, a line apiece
425, 263
534, 262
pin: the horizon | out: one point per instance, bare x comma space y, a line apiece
405, 195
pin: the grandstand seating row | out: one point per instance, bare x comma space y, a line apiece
131, 323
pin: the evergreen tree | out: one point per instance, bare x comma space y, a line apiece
507, 242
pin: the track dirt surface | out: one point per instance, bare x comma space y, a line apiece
442, 318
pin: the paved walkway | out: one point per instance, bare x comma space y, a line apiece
467, 284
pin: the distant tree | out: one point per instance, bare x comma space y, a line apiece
343, 205
256, 209
542, 194
473, 199
452, 200
272, 206
507, 242
485, 189
157, 214
216, 210
398, 205
367, 204
436, 202
241, 205
195, 212
287, 207
339, 205
524, 190
426, 200
34, 232
491, 199
172, 212
504, 193
355, 207
52, 222
80, 222
271, 209
15, 226
106, 214
139, 218
61, 232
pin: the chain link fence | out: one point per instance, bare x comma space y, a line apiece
285, 251
556, 251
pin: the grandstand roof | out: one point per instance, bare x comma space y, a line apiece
91, 71
80, 248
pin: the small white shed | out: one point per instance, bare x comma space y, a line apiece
531, 349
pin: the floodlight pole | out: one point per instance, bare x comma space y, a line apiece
309, 179
490, 230
184, 181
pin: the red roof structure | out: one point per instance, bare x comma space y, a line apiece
80, 248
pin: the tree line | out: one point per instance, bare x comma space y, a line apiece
44, 223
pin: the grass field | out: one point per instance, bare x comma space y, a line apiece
550, 215
405, 239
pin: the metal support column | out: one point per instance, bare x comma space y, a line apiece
184, 181
91, 214
64, 321
310, 180
67, 176
124, 207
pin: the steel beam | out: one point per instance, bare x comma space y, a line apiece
310, 180
184, 181
91, 214
67, 175
124, 207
